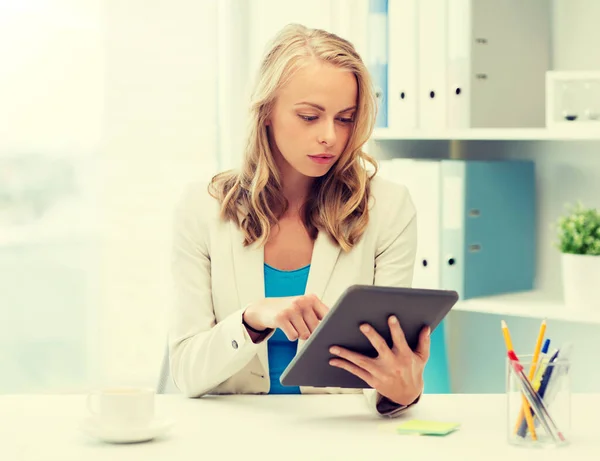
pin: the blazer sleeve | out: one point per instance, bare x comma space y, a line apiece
394, 264
202, 352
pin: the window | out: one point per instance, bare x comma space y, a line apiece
108, 109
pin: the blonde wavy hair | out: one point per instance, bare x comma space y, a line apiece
338, 203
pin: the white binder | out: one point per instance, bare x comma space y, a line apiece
459, 63
402, 64
422, 178
432, 56
498, 55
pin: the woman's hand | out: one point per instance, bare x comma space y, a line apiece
396, 373
297, 316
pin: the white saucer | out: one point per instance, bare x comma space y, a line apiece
111, 434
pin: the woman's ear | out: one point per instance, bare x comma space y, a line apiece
268, 122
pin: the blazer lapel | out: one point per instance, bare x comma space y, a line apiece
248, 267
324, 257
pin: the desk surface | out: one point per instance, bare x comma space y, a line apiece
308, 427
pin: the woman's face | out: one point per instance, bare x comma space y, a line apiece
312, 119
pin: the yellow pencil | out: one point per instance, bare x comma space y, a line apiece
538, 349
536, 355
506, 333
528, 416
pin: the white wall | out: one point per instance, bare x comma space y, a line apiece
576, 40
61, 112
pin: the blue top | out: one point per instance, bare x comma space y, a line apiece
281, 350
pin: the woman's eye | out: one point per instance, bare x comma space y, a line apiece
311, 118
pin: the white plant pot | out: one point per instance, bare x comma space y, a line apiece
581, 282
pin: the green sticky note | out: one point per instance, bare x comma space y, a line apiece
421, 427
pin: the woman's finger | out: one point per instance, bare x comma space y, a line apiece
355, 370
316, 306
398, 336
289, 330
311, 320
376, 340
422, 349
321, 309
299, 324
362, 361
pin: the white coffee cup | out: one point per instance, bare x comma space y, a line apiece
122, 406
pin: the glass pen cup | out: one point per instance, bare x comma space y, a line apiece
552, 386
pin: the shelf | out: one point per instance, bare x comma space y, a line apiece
529, 305
489, 134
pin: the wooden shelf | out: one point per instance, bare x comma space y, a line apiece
530, 304
491, 134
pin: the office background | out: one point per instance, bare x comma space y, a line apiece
109, 107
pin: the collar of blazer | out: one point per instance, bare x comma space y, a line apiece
249, 273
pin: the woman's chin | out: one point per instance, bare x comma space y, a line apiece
316, 170
316, 173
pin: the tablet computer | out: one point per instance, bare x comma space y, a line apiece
415, 308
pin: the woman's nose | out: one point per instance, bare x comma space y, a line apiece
327, 135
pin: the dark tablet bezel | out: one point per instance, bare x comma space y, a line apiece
415, 308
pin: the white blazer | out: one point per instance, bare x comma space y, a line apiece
216, 277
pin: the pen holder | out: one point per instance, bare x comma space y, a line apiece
552, 420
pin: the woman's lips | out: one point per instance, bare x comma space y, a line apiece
322, 159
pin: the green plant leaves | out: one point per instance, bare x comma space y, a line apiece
579, 231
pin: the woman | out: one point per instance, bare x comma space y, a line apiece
260, 256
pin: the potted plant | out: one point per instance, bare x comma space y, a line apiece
579, 243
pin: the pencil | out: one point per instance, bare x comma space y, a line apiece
538, 348
528, 416
536, 355
506, 333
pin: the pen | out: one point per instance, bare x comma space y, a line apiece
536, 355
539, 372
528, 415
549, 383
542, 385
535, 400
548, 373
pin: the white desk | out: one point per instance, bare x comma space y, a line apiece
308, 427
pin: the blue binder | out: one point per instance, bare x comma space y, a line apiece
488, 227
378, 56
